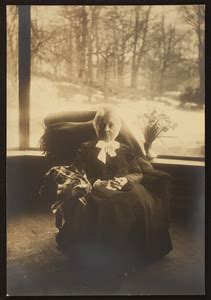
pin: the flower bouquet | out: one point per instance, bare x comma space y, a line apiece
156, 124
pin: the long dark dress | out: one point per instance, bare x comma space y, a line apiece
132, 217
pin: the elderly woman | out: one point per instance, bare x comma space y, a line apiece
118, 212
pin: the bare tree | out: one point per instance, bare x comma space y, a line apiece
141, 22
166, 51
169, 43
194, 16
105, 46
12, 40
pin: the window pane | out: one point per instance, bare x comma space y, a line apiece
12, 77
134, 57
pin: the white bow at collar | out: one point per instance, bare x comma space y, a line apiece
109, 148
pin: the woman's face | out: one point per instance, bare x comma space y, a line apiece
108, 127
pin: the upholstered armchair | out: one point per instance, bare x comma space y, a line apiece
66, 131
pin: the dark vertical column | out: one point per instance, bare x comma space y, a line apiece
24, 74
3, 281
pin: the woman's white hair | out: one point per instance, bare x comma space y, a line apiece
106, 111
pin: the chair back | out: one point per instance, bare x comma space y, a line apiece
66, 131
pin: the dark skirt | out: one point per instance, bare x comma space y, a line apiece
131, 219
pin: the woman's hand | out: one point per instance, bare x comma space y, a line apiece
114, 184
118, 182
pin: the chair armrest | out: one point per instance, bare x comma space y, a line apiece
157, 174
159, 185
157, 182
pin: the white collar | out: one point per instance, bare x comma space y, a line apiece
107, 147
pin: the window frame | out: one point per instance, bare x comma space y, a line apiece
24, 77
24, 73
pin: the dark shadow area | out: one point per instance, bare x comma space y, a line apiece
35, 266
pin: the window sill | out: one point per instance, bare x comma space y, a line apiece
24, 153
154, 161
178, 162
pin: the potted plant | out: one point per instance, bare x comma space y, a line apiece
156, 124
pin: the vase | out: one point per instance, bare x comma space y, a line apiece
150, 154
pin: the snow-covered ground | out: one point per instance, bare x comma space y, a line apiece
48, 97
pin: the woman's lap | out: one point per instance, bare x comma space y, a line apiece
117, 216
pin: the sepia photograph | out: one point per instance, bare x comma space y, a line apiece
105, 166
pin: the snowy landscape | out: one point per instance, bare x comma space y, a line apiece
50, 96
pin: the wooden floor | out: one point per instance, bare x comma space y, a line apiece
36, 267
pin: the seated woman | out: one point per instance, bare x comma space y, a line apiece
118, 212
